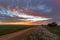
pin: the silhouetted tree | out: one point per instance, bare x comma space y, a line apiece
53, 24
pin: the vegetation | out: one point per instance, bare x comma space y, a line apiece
41, 33
54, 28
53, 24
5, 29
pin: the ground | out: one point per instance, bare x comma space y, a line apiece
33, 33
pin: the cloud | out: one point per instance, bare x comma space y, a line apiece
43, 8
14, 13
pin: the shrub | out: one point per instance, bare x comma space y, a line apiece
53, 24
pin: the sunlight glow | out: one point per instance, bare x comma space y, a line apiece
15, 23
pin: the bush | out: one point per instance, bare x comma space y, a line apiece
53, 24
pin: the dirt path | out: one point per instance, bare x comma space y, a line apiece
17, 35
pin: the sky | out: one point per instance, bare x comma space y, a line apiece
44, 8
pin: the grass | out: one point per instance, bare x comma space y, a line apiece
55, 30
35, 35
41, 34
5, 29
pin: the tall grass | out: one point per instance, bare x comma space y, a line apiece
55, 30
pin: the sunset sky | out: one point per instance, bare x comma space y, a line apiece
40, 8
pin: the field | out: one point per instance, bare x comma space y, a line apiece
55, 30
5, 29
34, 33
